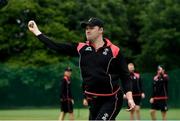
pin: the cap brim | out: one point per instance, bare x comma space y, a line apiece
68, 69
84, 24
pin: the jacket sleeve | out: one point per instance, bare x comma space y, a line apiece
124, 73
141, 85
166, 79
70, 93
153, 89
166, 85
83, 89
61, 48
63, 89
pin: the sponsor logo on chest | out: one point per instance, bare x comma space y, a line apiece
105, 52
88, 49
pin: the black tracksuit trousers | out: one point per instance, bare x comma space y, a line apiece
105, 108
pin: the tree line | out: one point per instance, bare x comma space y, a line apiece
147, 31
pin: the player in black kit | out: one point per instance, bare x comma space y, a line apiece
66, 97
102, 65
138, 92
159, 93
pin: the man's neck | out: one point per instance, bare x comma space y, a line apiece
98, 43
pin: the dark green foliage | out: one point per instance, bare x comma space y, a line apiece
29, 86
3, 3
147, 31
160, 35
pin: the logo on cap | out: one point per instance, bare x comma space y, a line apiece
92, 22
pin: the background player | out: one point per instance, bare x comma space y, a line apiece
66, 97
138, 92
159, 93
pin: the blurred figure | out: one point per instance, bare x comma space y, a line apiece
159, 93
66, 98
138, 92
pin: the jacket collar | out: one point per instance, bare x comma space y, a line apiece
107, 42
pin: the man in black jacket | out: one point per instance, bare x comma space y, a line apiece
101, 65
159, 93
138, 92
66, 97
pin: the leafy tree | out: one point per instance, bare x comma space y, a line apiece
160, 35
18, 45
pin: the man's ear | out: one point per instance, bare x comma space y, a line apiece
101, 29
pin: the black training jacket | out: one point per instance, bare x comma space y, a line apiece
100, 69
160, 87
137, 83
65, 92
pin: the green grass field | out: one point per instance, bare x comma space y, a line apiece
80, 114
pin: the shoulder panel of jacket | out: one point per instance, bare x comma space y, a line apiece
114, 48
137, 75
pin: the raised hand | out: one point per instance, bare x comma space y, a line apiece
33, 27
